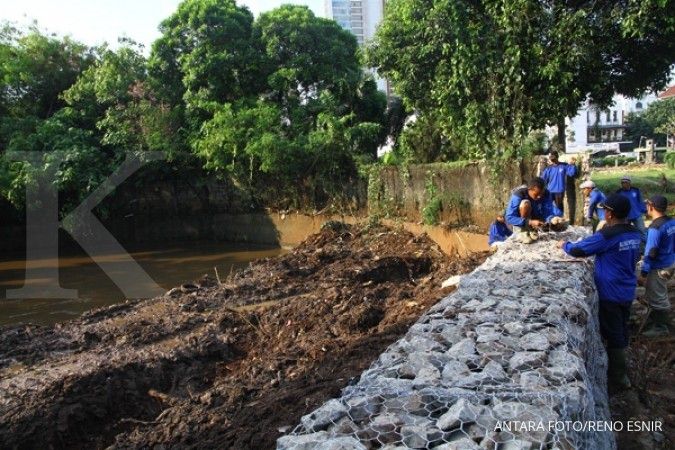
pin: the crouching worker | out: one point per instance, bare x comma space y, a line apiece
499, 232
657, 266
530, 210
617, 250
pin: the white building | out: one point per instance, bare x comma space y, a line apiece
361, 17
603, 129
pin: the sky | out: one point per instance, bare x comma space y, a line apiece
95, 21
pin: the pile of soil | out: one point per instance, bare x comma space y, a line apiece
652, 398
222, 365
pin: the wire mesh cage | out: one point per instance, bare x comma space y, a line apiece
512, 360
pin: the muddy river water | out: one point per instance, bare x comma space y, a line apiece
168, 266
176, 263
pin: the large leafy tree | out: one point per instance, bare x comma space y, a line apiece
35, 68
314, 113
115, 98
206, 54
307, 55
492, 71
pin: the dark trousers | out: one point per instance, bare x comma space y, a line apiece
614, 323
559, 201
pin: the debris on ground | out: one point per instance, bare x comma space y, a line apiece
650, 404
222, 365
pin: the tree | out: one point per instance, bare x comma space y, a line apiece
206, 54
307, 55
34, 70
654, 122
493, 71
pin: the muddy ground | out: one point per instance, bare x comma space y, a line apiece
230, 365
221, 365
652, 373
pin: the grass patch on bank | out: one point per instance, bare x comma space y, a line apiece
658, 180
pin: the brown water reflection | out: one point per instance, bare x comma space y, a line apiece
169, 267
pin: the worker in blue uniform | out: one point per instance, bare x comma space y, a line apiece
499, 232
657, 266
555, 176
530, 208
594, 215
637, 206
617, 250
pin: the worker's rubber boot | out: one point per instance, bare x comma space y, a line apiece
657, 324
617, 375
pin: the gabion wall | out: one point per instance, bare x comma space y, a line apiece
512, 360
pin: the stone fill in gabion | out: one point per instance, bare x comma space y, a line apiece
512, 360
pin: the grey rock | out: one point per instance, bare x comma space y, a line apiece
527, 360
302, 442
455, 370
460, 413
360, 408
517, 445
460, 444
565, 365
427, 376
534, 341
463, 350
342, 443
533, 380
326, 415
514, 328
415, 436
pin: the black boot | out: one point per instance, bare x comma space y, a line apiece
657, 324
617, 374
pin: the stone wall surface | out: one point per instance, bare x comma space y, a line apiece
507, 362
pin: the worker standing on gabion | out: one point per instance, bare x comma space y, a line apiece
555, 176
617, 250
657, 266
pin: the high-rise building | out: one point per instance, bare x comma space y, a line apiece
362, 18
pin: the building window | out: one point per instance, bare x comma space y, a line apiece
588, 117
638, 105
607, 116
597, 117
615, 116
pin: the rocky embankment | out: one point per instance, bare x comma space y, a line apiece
512, 360
228, 365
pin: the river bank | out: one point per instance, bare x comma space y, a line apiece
221, 365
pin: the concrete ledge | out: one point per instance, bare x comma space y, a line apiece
512, 360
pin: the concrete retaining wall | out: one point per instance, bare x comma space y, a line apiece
512, 360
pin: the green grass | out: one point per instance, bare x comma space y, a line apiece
650, 181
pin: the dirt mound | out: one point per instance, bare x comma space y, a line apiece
221, 365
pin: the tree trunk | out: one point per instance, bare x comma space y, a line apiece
562, 135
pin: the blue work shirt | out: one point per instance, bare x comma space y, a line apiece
542, 209
660, 249
556, 176
617, 251
637, 206
499, 232
594, 200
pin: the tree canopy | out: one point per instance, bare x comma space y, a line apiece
280, 103
493, 71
